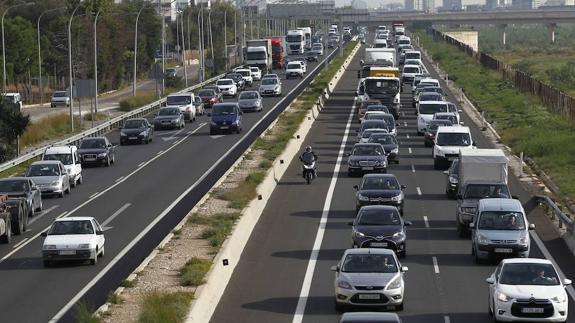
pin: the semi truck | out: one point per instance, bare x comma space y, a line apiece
307, 36
295, 41
380, 57
259, 53
278, 52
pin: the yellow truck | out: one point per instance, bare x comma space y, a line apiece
376, 71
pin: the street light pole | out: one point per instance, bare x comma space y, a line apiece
71, 71
96, 63
184, 48
134, 84
3, 45
211, 40
200, 47
226, 38
40, 83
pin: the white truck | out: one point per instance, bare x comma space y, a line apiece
380, 57
307, 36
295, 40
383, 89
259, 54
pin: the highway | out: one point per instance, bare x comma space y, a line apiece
138, 200
284, 272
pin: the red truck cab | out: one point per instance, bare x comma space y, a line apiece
277, 53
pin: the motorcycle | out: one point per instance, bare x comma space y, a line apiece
309, 171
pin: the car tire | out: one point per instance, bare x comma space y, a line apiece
436, 164
61, 194
107, 162
80, 179
69, 190
113, 161
73, 184
6, 238
427, 144
102, 252
461, 230
94, 260
39, 208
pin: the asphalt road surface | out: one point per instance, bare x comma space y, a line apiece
303, 232
138, 200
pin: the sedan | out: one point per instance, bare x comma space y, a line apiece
50, 176
74, 238
98, 151
311, 56
169, 118
369, 277
527, 289
366, 158
270, 86
367, 134
250, 101
379, 189
389, 143
60, 98
379, 226
22, 188
209, 97
137, 130
452, 179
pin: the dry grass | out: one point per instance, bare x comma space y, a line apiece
51, 127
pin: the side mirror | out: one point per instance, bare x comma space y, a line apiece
44, 234
98, 232
404, 269
531, 226
109, 146
490, 280
460, 111
407, 223
403, 187
567, 282
472, 225
356, 93
334, 268
356, 187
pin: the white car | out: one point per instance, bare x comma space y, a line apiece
317, 48
246, 74
448, 142
73, 238
425, 112
227, 87
68, 155
294, 69
256, 73
369, 277
527, 289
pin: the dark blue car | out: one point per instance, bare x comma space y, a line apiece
225, 117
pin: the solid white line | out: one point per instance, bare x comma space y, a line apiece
435, 265
52, 208
306, 286
59, 216
141, 164
418, 191
119, 179
409, 149
426, 221
160, 152
19, 243
142, 233
93, 195
412, 168
549, 257
446, 319
113, 216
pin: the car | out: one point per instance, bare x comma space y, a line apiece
468, 197
412, 61
377, 107
429, 96
425, 112
311, 56
227, 87
379, 226
409, 72
431, 130
98, 151
389, 143
136, 130
371, 124
388, 118
250, 101
171, 118
379, 189
246, 74
371, 277
369, 132
450, 116
225, 117
60, 98
294, 69
209, 97
73, 238
50, 176
370, 317
365, 158
256, 73
171, 72
373, 115
69, 156
303, 65
452, 179
270, 86
270, 75
448, 142
215, 88
317, 48
527, 289
362, 108
238, 80
23, 188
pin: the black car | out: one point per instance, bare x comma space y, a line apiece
97, 151
431, 130
452, 179
238, 79
379, 189
311, 56
366, 158
210, 97
25, 189
380, 226
377, 107
137, 130
389, 143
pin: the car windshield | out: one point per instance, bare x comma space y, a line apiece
310, 54
71, 227
367, 150
93, 143
369, 263
375, 86
316, 47
249, 95
206, 93
378, 217
375, 116
294, 66
43, 170
269, 81
225, 82
412, 56
501, 220
59, 94
7, 186
411, 70
373, 124
369, 132
453, 139
538, 274
381, 108
481, 191
178, 100
380, 183
66, 159
135, 124
169, 112
432, 108
383, 139
435, 124
224, 109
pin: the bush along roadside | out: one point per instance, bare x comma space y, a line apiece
522, 121
181, 264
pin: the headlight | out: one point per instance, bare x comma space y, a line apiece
213, 123
359, 234
50, 246
559, 299
453, 180
395, 151
395, 284
397, 198
143, 133
438, 151
502, 297
362, 198
399, 235
343, 284
174, 121
352, 163
482, 240
123, 134
102, 155
55, 183
84, 246
524, 240
470, 210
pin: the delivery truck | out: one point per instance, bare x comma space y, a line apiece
259, 53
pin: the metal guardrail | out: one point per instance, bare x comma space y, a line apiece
102, 128
556, 212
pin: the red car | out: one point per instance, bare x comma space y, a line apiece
209, 97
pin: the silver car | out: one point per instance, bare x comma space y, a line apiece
50, 176
60, 98
250, 101
369, 277
270, 86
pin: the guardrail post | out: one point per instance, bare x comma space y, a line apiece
521, 164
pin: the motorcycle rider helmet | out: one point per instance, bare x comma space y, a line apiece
308, 149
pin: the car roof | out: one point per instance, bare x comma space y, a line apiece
225, 103
380, 175
373, 144
47, 162
75, 218
526, 261
60, 150
242, 69
376, 112
460, 129
225, 80
444, 113
362, 251
500, 204
404, 66
434, 102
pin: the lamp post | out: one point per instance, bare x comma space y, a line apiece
40, 83
136, 51
3, 45
211, 40
226, 38
184, 48
96, 63
200, 45
71, 71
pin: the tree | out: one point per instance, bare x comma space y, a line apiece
12, 125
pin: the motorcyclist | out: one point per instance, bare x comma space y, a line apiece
306, 157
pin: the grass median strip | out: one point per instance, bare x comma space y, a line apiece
194, 271
165, 307
522, 121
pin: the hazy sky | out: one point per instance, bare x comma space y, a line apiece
376, 3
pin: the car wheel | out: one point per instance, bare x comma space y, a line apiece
18, 227
94, 260
39, 208
107, 162
102, 252
461, 230
81, 179
46, 263
6, 238
73, 184
436, 164
427, 144
61, 194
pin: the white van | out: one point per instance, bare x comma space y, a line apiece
68, 155
448, 142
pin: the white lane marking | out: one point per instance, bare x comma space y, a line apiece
409, 150
306, 286
160, 152
418, 191
113, 216
435, 265
19, 243
59, 216
446, 319
549, 257
407, 135
412, 168
52, 208
426, 221
216, 136
119, 179
405, 124
147, 229
93, 195
141, 164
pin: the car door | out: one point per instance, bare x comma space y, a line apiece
493, 287
101, 240
76, 165
35, 192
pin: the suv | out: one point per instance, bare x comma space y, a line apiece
13, 99
227, 87
448, 142
68, 155
294, 69
500, 228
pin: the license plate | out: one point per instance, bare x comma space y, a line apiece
503, 250
224, 127
67, 252
132, 138
532, 310
367, 168
89, 159
368, 296
378, 244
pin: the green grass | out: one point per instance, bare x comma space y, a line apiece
219, 226
240, 196
114, 298
83, 314
128, 283
159, 307
522, 121
194, 272
48, 128
140, 100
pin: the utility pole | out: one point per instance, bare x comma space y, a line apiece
71, 71
96, 63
